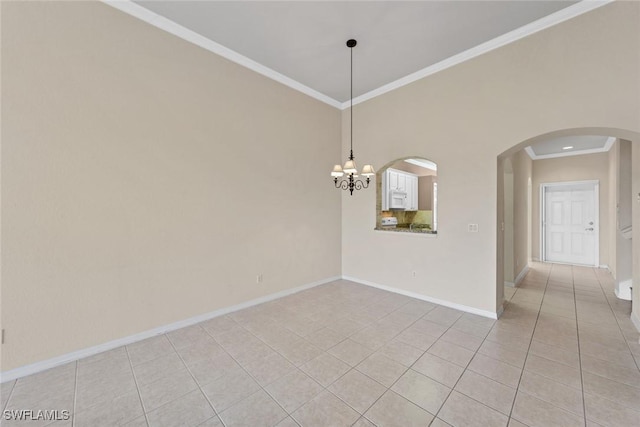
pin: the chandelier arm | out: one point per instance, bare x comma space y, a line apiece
343, 184
359, 185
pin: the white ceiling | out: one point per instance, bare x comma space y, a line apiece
580, 145
304, 41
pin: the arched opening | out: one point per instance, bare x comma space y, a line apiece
407, 196
619, 205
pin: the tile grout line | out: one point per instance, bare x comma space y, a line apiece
552, 379
75, 395
411, 366
602, 290
352, 368
135, 379
617, 322
13, 386
524, 364
406, 370
277, 352
465, 370
243, 368
575, 303
324, 351
401, 375
193, 377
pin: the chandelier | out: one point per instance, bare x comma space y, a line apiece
350, 182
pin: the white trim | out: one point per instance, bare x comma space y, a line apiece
510, 37
530, 152
509, 284
466, 308
500, 310
605, 266
522, 274
636, 321
623, 290
607, 146
423, 163
596, 189
80, 354
169, 26
609, 143
184, 33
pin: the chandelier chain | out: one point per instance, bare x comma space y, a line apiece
351, 108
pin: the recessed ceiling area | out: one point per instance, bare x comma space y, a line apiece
305, 41
570, 146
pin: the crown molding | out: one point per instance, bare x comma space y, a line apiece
541, 24
607, 146
184, 33
178, 30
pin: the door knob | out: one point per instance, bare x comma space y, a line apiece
591, 223
589, 229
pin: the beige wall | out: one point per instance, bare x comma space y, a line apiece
506, 223
425, 192
522, 170
462, 119
620, 210
613, 159
635, 153
146, 180
574, 168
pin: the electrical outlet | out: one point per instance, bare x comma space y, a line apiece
413, 274
473, 228
259, 278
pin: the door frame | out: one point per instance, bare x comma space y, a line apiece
543, 192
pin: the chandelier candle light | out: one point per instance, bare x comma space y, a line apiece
350, 183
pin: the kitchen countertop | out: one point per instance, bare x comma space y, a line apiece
407, 230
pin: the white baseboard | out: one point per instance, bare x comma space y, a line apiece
466, 308
500, 310
521, 275
636, 321
623, 290
80, 354
605, 266
509, 284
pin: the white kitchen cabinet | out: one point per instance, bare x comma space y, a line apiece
402, 182
412, 192
395, 182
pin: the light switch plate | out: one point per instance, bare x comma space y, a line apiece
473, 228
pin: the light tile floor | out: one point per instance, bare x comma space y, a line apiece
563, 353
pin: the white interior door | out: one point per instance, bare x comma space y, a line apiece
570, 223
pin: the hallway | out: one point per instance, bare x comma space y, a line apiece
579, 349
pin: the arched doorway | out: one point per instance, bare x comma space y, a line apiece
506, 168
